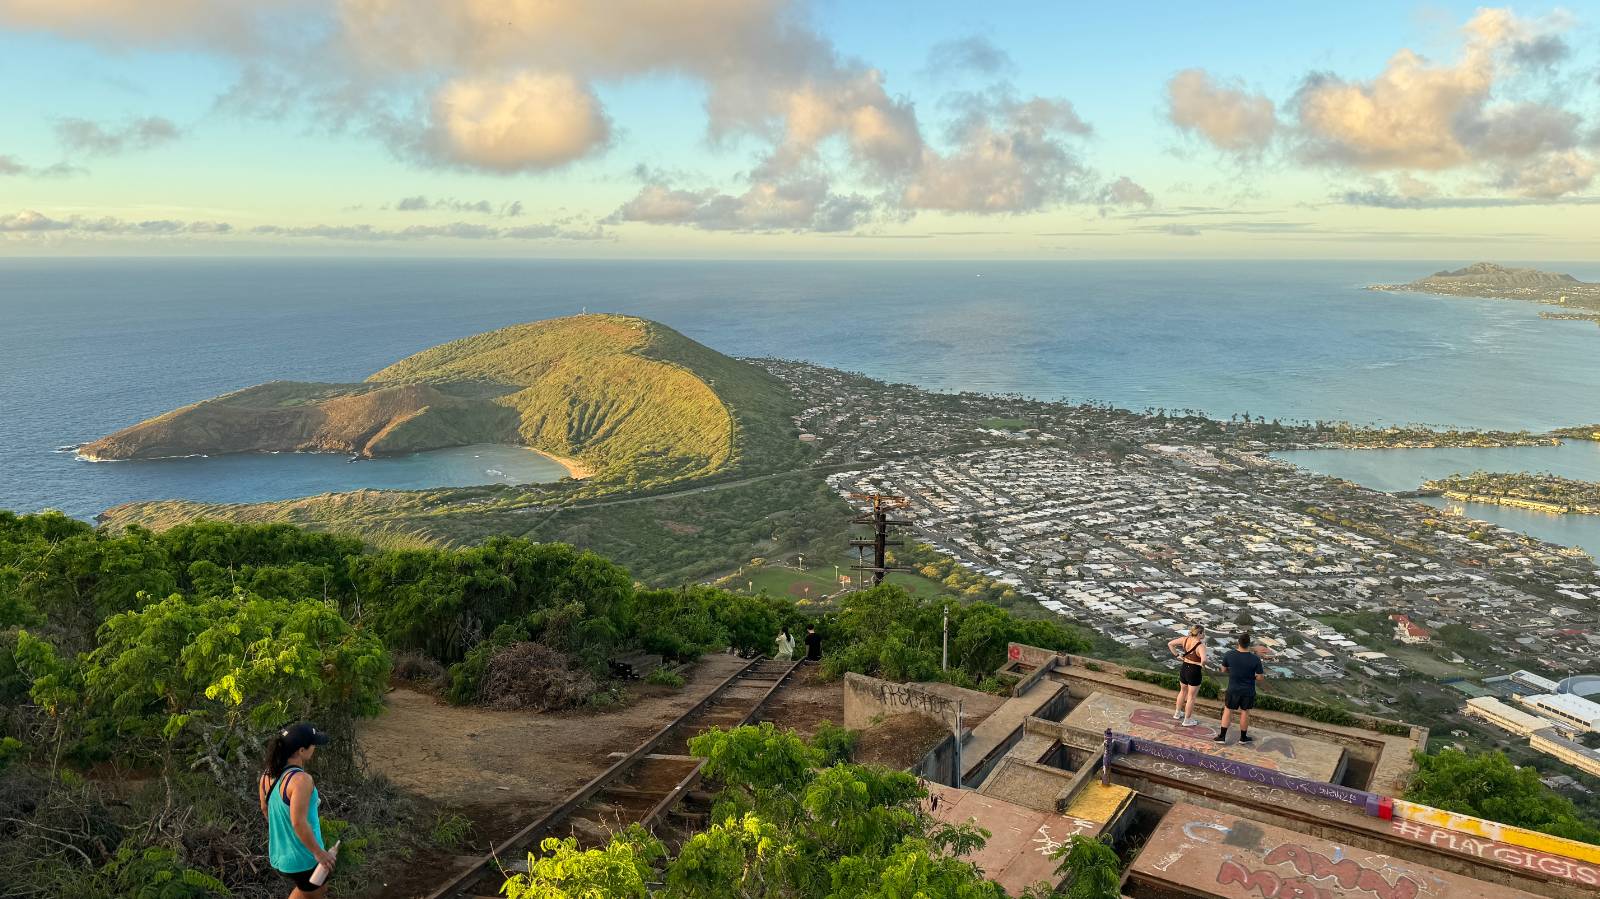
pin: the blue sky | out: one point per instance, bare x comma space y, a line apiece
771, 129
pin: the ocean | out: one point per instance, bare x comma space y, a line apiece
91, 346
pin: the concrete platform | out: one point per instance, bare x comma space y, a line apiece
1002, 725
1017, 854
1197, 852
1297, 756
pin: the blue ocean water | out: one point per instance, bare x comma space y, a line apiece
91, 346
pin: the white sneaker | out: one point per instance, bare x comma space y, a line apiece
1190, 722
1176, 715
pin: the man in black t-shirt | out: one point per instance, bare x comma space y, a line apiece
1244, 670
813, 644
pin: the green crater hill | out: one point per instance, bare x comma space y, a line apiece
614, 396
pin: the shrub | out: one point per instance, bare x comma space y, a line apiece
418, 670
450, 832
664, 677
834, 744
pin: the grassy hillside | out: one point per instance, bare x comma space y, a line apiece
636, 403
632, 401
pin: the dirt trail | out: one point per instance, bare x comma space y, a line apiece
502, 769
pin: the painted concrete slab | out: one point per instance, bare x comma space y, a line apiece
1294, 755
1199, 852
1017, 854
1532, 860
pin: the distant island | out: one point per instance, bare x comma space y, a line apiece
1581, 299
1539, 492
608, 395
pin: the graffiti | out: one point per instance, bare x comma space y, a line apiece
1268, 884
1189, 828
1255, 772
1163, 723
1531, 860
1046, 844
1349, 873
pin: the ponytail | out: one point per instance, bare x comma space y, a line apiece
277, 757
1197, 630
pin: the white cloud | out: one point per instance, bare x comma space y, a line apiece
522, 123
1009, 156
1228, 117
1472, 114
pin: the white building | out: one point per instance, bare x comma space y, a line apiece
1567, 710
1505, 717
1533, 682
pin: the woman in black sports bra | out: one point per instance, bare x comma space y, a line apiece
1191, 650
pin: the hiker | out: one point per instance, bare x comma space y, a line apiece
785, 646
1244, 670
813, 644
289, 802
1191, 650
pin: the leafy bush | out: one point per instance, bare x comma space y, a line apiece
834, 744
450, 832
156, 873
1487, 785
664, 677
890, 633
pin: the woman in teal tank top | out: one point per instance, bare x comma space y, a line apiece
289, 801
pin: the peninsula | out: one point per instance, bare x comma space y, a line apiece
610, 395
1578, 299
1539, 492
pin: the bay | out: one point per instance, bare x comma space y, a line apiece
91, 346
1406, 469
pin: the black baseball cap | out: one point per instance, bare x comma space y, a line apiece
296, 737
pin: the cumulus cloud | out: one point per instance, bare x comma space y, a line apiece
423, 203
1467, 114
1227, 116
1009, 156
85, 136
518, 86
525, 122
1126, 192
800, 204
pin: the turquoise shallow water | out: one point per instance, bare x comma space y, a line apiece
1406, 469
91, 346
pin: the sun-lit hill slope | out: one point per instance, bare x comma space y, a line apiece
631, 400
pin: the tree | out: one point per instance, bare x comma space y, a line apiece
1487, 785
620, 870
1092, 866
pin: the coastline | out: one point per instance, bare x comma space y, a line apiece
575, 469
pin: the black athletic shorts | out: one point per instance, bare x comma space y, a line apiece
1241, 698
1190, 675
302, 880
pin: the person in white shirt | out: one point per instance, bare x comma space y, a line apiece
785, 646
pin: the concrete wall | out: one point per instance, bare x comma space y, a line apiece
868, 699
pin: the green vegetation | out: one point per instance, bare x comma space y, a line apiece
1541, 492
175, 653
1006, 424
664, 677
1487, 785
790, 822
889, 633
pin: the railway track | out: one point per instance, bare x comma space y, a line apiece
638, 789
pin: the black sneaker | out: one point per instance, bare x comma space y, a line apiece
1221, 737
1246, 738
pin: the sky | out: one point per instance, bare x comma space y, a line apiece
773, 129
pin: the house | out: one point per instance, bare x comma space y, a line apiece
1408, 631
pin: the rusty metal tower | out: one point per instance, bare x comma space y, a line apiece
879, 518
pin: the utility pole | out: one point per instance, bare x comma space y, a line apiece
944, 660
881, 523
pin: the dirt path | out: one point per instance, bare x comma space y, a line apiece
502, 769
805, 702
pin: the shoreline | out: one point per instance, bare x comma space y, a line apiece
575, 469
